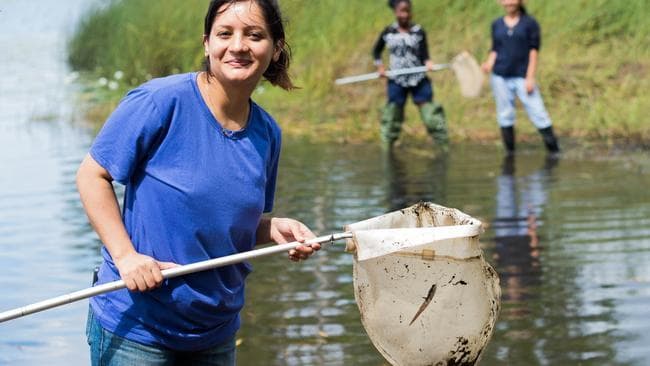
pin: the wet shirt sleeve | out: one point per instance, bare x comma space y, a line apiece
127, 136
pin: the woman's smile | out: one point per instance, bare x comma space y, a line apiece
239, 62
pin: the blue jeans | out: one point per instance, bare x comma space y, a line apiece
108, 349
505, 89
421, 93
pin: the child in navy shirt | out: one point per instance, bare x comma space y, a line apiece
513, 63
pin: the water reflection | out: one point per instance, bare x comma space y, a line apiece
543, 319
519, 206
412, 178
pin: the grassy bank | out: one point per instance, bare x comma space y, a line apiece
595, 62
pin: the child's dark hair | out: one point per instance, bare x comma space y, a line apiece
522, 8
277, 72
393, 3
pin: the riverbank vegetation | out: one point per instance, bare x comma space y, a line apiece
594, 64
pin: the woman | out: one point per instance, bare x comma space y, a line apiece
199, 161
513, 63
407, 44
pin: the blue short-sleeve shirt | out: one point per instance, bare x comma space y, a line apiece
513, 45
194, 191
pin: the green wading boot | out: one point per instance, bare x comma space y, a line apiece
433, 117
391, 123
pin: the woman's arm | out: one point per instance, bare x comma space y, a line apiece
138, 271
283, 230
530, 72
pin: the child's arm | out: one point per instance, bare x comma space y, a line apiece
376, 53
488, 64
530, 72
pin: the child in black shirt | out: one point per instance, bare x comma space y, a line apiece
407, 45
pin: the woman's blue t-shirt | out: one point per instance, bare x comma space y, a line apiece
513, 45
194, 191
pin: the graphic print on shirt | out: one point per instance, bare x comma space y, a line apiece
406, 50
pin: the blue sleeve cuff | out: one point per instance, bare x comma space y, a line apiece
112, 169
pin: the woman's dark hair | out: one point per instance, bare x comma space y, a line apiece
393, 3
277, 72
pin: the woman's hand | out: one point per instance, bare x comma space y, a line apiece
140, 272
285, 230
429, 64
530, 85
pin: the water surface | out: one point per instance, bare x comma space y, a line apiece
569, 238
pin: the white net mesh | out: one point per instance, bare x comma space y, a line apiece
426, 304
468, 73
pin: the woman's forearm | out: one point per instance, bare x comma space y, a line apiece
263, 234
99, 201
285, 230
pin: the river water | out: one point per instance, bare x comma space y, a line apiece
570, 238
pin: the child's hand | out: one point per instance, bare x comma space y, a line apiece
381, 70
530, 85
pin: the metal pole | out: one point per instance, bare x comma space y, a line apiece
390, 73
168, 273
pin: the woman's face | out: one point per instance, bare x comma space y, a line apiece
511, 6
239, 46
403, 13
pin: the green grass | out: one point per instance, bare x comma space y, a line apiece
593, 72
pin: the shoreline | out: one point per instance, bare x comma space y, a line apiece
348, 131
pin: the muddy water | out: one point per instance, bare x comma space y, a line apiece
570, 238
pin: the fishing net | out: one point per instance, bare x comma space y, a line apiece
425, 294
468, 73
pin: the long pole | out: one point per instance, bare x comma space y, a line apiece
168, 273
390, 73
